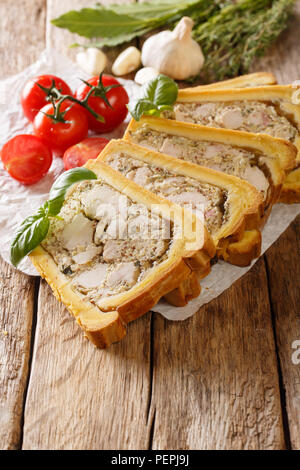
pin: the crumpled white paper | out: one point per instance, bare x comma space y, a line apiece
18, 201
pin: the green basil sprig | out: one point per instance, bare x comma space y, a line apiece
34, 228
157, 95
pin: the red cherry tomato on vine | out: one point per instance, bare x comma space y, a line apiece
79, 154
26, 158
33, 98
117, 98
61, 135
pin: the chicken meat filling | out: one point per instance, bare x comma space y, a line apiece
204, 199
232, 160
104, 242
250, 116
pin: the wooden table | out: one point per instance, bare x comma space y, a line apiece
223, 379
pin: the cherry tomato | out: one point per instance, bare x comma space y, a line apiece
117, 98
33, 98
26, 158
79, 154
61, 135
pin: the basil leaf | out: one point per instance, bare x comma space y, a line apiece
63, 183
31, 232
139, 107
158, 95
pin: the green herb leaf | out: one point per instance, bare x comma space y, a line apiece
151, 10
63, 183
92, 22
158, 95
31, 232
114, 41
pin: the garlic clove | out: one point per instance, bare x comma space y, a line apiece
93, 61
145, 74
174, 53
127, 61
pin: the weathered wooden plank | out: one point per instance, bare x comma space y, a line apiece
100, 396
284, 276
22, 38
80, 397
215, 382
16, 313
283, 258
22, 25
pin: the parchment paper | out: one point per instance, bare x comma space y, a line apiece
18, 201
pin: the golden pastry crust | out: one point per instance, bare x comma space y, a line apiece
188, 290
106, 322
245, 201
273, 93
290, 192
251, 79
242, 252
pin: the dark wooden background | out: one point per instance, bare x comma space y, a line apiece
223, 379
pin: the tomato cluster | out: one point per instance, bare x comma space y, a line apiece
61, 121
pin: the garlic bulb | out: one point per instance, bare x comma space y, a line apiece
174, 53
127, 61
145, 74
93, 61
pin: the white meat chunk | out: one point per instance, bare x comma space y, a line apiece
213, 150
205, 110
79, 232
170, 149
101, 227
232, 118
92, 278
117, 228
125, 273
87, 255
180, 116
147, 145
102, 199
113, 250
257, 178
141, 175
188, 197
138, 227
258, 118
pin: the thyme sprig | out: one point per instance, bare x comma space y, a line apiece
241, 31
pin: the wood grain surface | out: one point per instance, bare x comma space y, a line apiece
223, 379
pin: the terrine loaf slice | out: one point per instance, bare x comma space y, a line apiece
272, 110
115, 249
259, 159
228, 205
